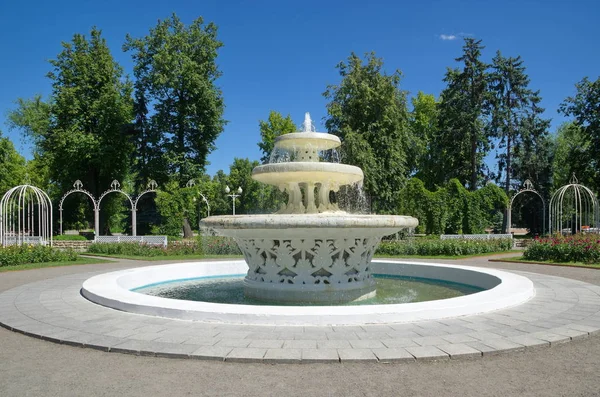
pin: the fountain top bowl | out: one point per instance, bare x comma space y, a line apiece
315, 141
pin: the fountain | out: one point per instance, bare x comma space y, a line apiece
310, 250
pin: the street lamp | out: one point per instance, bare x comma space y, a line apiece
233, 195
199, 204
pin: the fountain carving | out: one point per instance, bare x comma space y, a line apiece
310, 250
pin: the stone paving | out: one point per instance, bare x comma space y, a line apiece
53, 310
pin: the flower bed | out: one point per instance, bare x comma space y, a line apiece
427, 247
583, 248
22, 254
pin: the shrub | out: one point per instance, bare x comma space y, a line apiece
22, 254
174, 248
577, 248
429, 247
69, 237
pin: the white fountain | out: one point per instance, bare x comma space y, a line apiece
310, 251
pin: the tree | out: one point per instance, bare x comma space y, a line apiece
176, 70
424, 155
534, 156
462, 140
515, 114
367, 110
80, 132
585, 107
572, 150
12, 164
275, 126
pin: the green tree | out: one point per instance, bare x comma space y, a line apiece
423, 157
12, 164
572, 148
515, 114
367, 110
270, 129
79, 133
585, 108
462, 140
179, 108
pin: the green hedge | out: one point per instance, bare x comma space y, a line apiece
22, 254
69, 237
136, 249
452, 209
426, 247
205, 245
583, 248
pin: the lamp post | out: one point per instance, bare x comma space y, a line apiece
199, 209
233, 195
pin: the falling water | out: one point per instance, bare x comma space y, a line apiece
352, 199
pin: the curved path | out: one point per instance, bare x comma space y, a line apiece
563, 310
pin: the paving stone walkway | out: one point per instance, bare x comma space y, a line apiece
53, 310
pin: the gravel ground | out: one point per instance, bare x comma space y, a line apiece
31, 367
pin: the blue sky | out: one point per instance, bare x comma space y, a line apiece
281, 55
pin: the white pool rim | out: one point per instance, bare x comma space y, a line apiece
115, 290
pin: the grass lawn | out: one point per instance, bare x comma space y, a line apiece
519, 259
441, 256
28, 266
167, 257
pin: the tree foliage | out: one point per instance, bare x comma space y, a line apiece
462, 142
12, 164
585, 108
515, 117
80, 132
423, 157
452, 209
571, 156
367, 109
270, 129
179, 108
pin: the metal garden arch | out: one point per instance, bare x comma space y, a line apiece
151, 187
574, 207
115, 186
78, 188
25, 216
527, 187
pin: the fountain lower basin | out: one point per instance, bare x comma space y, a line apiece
502, 290
315, 258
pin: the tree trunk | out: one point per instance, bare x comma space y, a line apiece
473, 184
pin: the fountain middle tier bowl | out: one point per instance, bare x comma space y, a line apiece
321, 258
315, 141
306, 172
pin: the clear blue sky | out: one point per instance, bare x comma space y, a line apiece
280, 55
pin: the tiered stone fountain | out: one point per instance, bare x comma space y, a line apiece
310, 250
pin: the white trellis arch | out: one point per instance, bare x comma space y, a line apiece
574, 207
115, 186
78, 188
151, 187
527, 187
25, 216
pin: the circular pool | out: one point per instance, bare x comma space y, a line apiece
116, 290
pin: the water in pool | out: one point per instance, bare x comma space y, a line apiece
390, 290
